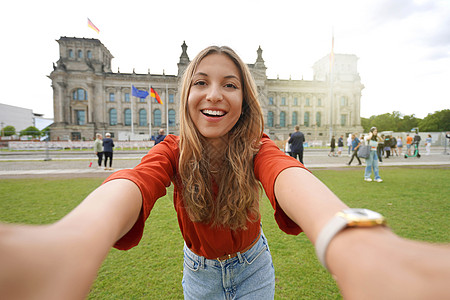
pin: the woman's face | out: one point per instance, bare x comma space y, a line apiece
215, 98
375, 132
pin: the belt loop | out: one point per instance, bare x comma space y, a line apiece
241, 260
202, 262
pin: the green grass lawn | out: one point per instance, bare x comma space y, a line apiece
414, 200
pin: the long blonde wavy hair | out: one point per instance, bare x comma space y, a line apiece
238, 195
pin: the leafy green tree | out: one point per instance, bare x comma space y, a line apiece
407, 123
390, 122
384, 122
438, 121
9, 130
365, 123
31, 130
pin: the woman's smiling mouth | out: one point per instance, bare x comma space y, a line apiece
213, 113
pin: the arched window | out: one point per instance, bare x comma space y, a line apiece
142, 117
112, 116
127, 117
294, 118
171, 117
306, 119
70, 53
80, 54
270, 119
89, 54
79, 95
157, 117
282, 119
318, 119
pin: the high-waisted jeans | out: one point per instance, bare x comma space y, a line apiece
249, 275
372, 163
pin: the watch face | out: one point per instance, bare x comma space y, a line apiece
361, 217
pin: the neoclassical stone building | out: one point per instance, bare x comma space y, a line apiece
89, 97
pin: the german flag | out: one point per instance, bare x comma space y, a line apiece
91, 25
155, 95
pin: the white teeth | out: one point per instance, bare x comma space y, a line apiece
213, 112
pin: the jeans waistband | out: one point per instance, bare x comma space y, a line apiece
248, 256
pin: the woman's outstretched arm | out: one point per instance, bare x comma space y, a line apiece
367, 263
61, 260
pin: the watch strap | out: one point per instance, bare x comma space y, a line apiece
336, 224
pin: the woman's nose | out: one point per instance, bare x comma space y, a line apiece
214, 93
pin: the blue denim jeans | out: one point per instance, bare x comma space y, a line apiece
249, 275
372, 162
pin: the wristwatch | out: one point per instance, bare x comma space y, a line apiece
351, 217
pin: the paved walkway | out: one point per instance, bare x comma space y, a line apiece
84, 164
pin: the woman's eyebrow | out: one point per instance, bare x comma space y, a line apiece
200, 74
232, 76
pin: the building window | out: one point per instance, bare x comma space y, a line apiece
127, 117
142, 100
112, 116
295, 101
112, 97
79, 95
306, 119
319, 102
70, 53
80, 54
81, 117
282, 119
283, 100
343, 120
76, 136
157, 117
171, 98
171, 117
127, 97
270, 119
343, 101
142, 117
294, 118
89, 54
270, 100
318, 119
307, 102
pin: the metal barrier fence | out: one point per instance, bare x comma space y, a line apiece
77, 145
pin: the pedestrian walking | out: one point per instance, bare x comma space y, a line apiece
296, 140
98, 149
356, 143
108, 146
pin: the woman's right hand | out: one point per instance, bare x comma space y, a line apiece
61, 260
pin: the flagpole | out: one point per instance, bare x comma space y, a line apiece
132, 119
167, 110
150, 113
331, 83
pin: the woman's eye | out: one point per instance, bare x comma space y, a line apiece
230, 85
200, 82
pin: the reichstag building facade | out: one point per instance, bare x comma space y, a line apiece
88, 97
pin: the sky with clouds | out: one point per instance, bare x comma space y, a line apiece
403, 46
